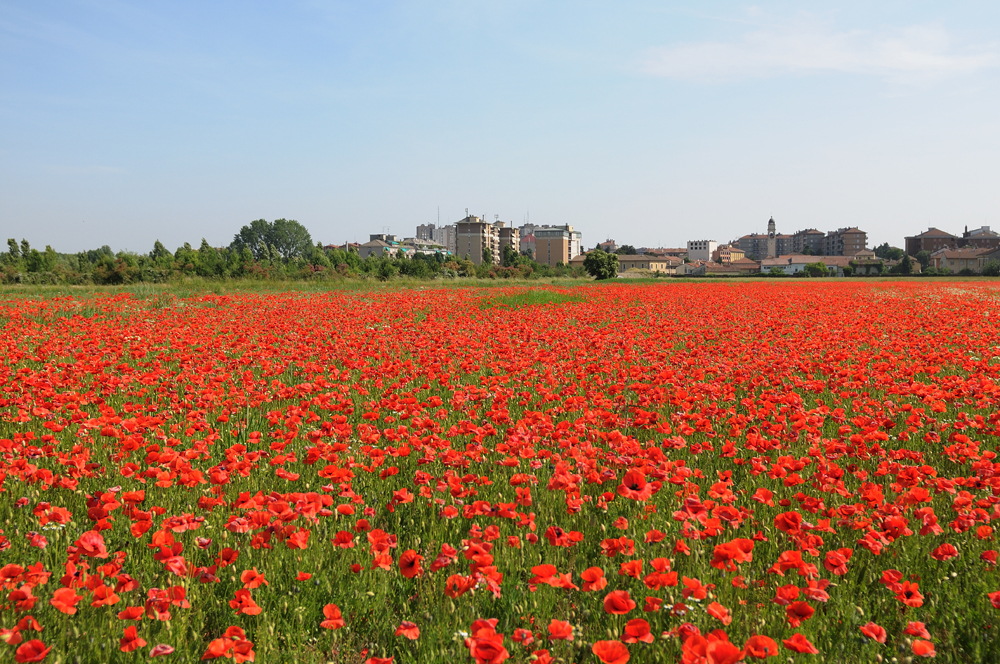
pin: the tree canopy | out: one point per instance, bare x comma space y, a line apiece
601, 265
288, 237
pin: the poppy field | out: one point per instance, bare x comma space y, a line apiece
703, 473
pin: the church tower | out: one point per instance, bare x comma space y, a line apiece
772, 242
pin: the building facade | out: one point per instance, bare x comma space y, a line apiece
845, 242
727, 254
552, 245
930, 240
476, 237
446, 236
701, 250
808, 241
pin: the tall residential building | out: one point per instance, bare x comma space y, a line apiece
809, 241
930, 240
552, 245
575, 236
845, 242
509, 237
701, 250
425, 232
475, 236
446, 236
982, 238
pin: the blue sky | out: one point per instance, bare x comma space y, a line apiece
649, 122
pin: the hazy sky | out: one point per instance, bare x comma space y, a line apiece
649, 122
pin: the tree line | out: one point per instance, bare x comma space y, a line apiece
277, 250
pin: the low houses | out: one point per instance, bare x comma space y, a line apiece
956, 260
740, 268
664, 265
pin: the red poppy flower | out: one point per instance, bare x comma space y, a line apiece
719, 612
409, 630
251, 579
560, 630
836, 561
634, 486
409, 564
618, 602
244, 604
917, 629
65, 600
637, 630
909, 594
874, 632
761, 647
131, 640
91, 544
798, 612
923, 648
334, 620
610, 652
944, 552
721, 651
160, 650
799, 643
31, 651
593, 579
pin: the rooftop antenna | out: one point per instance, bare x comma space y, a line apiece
439, 215
466, 212
496, 217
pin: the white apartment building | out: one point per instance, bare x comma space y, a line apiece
701, 250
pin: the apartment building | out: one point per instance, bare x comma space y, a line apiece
575, 236
755, 245
727, 254
981, 238
663, 264
930, 240
701, 250
956, 260
808, 241
474, 236
553, 245
845, 242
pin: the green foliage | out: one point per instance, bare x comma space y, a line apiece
626, 250
601, 265
848, 271
924, 257
904, 266
284, 239
887, 252
817, 269
991, 269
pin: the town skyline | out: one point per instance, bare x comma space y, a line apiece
128, 122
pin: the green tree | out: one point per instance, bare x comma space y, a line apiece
817, 269
12, 249
992, 269
35, 261
291, 239
25, 248
905, 265
487, 256
49, 259
626, 250
848, 271
924, 258
209, 263
509, 257
601, 265
159, 252
256, 236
